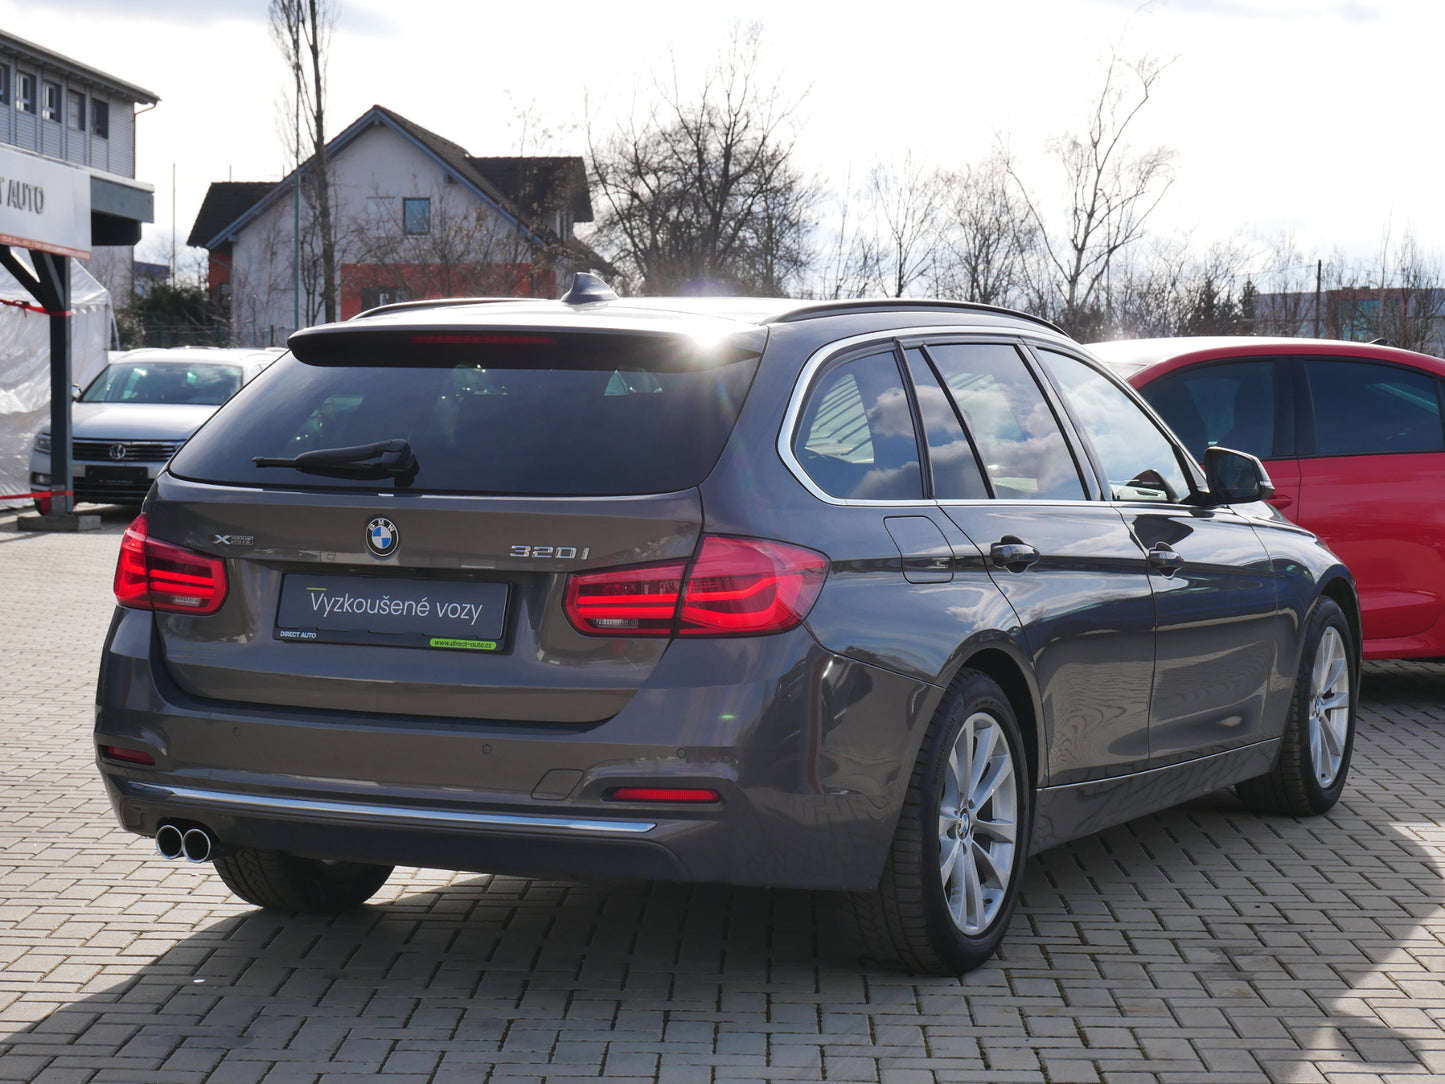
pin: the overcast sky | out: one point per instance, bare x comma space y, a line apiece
1315, 116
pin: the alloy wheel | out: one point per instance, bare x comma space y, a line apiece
978, 824
1329, 706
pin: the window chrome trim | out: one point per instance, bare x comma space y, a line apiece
825, 354
315, 807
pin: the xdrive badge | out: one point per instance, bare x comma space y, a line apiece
382, 537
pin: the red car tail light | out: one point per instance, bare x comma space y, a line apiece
747, 587
735, 587
626, 602
155, 575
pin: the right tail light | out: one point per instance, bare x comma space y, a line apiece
734, 587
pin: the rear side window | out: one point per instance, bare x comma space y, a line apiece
856, 438
1016, 432
1360, 408
1230, 404
559, 415
951, 460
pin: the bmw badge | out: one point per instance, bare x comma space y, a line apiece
382, 537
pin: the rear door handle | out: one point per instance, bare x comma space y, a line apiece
1165, 560
1012, 554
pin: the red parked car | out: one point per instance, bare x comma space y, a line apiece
1352, 436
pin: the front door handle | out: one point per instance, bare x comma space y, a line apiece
1012, 553
1163, 559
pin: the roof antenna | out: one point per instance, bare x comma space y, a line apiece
587, 288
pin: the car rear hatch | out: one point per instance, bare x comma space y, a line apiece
423, 498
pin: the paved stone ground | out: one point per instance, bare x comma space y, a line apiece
1203, 944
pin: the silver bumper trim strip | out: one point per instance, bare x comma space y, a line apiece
366, 811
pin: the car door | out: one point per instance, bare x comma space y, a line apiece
1066, 561
1371, 464
1215, 598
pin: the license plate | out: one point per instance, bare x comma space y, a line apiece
116, 476
448, 614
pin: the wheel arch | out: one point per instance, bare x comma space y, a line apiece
1341, 591
1016, 681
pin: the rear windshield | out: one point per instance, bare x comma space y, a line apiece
547, 416
206, 384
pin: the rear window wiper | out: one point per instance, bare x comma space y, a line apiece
385, 457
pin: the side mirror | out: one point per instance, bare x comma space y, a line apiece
1235, 477
74, 391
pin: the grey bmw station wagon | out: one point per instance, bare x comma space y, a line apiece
875, 597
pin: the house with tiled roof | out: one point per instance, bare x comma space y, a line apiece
416, 216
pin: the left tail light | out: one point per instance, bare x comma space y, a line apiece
734, 587
155, 575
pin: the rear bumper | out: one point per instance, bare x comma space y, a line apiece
808, 751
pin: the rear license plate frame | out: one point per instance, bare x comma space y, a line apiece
391, 611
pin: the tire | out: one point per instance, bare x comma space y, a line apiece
951, 879
1319, 732
288, 882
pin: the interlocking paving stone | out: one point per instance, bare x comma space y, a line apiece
1202, 944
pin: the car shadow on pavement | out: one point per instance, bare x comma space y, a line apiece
1200, 941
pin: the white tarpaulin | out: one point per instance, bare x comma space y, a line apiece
25, 364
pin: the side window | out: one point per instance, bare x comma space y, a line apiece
1360, 408
1018, 437
1231, 405
856, 438
951, 459
1140, 462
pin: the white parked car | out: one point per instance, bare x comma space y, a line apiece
137, 412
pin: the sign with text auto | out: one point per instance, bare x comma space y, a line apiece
44, 205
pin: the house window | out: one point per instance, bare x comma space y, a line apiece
50, 107
25, 93
75, 110
100, 118
372, 296
4, 84
416, 216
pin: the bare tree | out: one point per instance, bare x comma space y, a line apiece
1414, 322
991, 237
1112, 191
704, 193
302, 30
907, 203
846, 260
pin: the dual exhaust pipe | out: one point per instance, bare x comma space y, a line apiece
193, 844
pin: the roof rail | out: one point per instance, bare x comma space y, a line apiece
438, 303
883, 304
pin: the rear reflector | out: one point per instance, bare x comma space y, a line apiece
735, 587
695, 795
130, 756
155, 575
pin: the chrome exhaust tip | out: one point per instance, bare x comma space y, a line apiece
197, 845
169, 841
